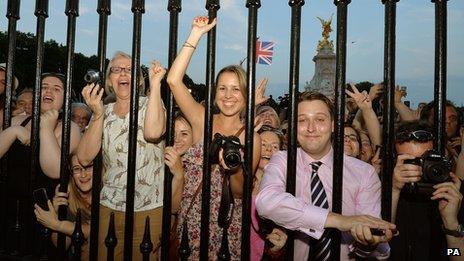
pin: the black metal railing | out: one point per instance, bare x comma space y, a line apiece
103, 10
72, 12
138, 8
212, 6
294, 66
388, 109
339, 133
12, 14
174, 8
253, 6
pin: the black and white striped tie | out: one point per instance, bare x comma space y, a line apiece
320, 249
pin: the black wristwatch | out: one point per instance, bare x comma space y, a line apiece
459, 232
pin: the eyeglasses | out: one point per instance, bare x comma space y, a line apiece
419, 135
79, 169
120, 69
366, 143
277, 131
352, 137
273, 146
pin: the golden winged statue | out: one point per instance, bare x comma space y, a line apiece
326, 27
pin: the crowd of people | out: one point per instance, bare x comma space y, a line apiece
427, 217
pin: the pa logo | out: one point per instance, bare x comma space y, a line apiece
453, 252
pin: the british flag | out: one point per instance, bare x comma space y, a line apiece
264, 52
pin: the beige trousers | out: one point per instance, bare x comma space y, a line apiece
156, 217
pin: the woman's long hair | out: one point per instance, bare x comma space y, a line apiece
75, 199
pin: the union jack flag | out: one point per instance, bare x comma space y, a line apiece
264, 52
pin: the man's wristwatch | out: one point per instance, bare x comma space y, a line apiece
459, 232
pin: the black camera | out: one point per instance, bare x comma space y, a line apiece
435, 169
92, 76
231, 154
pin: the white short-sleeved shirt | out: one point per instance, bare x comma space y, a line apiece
149, 177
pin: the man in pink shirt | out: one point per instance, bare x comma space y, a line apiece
361, 191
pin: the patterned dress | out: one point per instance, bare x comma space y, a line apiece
193, 163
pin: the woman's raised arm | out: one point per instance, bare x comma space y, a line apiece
90, 143
193, 111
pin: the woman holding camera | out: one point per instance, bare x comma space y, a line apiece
230, 100
109, 130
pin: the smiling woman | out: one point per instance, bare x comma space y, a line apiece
121, 65
79, 196
230, 99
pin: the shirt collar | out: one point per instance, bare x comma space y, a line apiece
326, 160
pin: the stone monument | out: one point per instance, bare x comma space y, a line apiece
324, 75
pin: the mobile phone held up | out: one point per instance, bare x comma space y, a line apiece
40, 198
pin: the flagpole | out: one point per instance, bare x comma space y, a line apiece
242, 61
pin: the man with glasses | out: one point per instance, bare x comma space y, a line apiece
81, 114
429, 222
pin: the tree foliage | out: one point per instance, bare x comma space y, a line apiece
55, 61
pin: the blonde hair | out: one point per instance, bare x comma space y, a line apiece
108, 88
76, 201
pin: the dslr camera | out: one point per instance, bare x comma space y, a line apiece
92, 76
231, 154
435, 169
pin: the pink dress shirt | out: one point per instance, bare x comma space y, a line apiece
256, 241
361, 195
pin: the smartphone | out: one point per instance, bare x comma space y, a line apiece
40, 198
381, 232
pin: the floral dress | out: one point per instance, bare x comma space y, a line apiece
193, 163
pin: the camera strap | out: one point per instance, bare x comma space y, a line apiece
184, 248
227, 205
226, 211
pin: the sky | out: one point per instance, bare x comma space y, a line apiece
415, 31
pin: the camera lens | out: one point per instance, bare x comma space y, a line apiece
232, 159
436, 172
92, 76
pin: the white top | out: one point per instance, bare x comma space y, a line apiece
149, 177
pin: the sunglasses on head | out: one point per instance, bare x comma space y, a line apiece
55, 74
419, 135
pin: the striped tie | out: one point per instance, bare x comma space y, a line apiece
320, 249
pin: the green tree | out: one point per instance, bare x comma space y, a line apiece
54, 60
